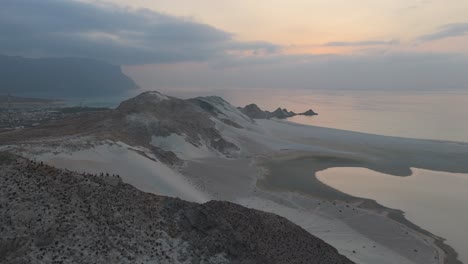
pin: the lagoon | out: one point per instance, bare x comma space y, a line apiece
435, 201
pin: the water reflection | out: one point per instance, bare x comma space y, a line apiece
436, 201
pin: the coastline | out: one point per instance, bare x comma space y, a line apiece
298, 165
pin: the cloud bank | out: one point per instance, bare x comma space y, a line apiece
111, 33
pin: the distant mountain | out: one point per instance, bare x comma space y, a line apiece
254, 112
61, 77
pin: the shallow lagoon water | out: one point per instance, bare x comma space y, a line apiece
436, 201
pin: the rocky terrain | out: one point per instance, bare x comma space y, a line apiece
253, 111
58, 216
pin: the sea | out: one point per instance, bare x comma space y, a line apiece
440, 115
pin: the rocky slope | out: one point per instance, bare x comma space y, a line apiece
254, 112
56, 216
154, 114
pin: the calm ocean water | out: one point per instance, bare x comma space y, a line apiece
428, 115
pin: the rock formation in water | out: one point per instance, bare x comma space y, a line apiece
254, 112
58, 216
309, 112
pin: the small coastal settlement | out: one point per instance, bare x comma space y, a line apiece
19, 113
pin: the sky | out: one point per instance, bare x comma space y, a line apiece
327, 26
244, 44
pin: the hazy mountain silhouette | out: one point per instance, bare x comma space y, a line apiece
61, 77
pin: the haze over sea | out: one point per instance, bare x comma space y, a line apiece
439, 115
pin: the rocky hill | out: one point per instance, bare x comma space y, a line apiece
254, 112
57, 216
146, 120
152, 114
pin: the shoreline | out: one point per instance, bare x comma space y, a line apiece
422, 197
277, 166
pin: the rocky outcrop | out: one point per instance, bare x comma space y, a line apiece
309, 112
282, 113
57, 216
254, 112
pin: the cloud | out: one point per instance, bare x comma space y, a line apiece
446, 31
362, 43
108, 32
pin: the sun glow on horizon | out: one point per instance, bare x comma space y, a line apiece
305, 26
